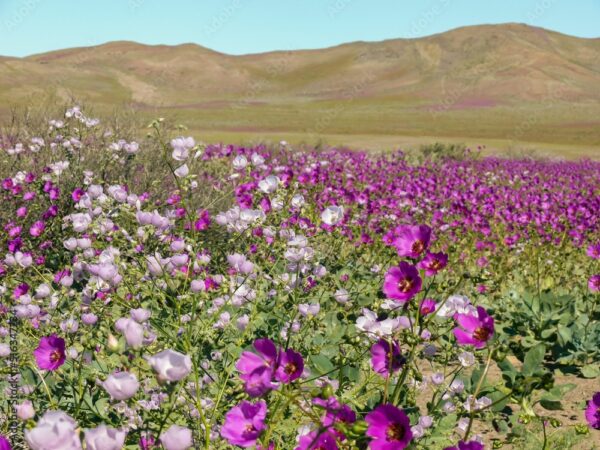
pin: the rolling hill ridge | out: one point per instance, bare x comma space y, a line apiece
512, 82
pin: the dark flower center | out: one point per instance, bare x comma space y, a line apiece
418, 246
55, 356
481, 334
290, 368
405, 285
249, 430
395, 432
435, 264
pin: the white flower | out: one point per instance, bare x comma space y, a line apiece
81, 221
257, 159
457, 304
104, 438
171, 365
306, 309
332, 215
467, 359
176, 438
25, 410
4, 350
269, 184
240, 162
23, 259
341, 296
121, 385
131, 330
181, 148
182, 171
54, 431
298, 201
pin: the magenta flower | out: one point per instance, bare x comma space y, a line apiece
37, 228
203, 221
147, 442
471, 445
259, 381
335, 412
402, 282
389, 428
386, 359
290, 366
4, 443
593, 251
433, 263
50, 353
594, 283
77, 194
318, 441
21, 290
257, 370
428, 306
411, 240
592, 412
244, 423
475, 331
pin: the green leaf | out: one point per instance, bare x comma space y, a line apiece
497, 397
534, 359
551, 405
565, 333
591, 371
322, 364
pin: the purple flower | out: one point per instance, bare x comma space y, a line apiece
318, 441
411, 240
471, 445
21, 290
203, 221
474, 330
147, 442
244, 423
4, 443
290, 366
335, 412
386, 359
433, 263
594, 283
592, 412
402, 282
77, 194
389, 428
593, 251
50, 353
37, 228
428, 306
258, 369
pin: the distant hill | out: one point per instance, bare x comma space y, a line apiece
511, 82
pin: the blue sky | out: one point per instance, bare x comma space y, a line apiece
249, 26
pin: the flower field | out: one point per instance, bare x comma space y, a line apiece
165, 293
